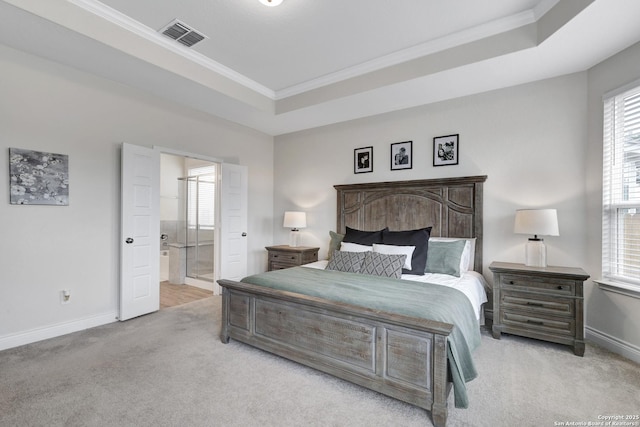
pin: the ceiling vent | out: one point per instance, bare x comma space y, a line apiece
182, 33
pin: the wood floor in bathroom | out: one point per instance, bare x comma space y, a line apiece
172, 295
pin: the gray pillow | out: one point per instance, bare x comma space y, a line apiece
444, 257
351, 262
334, 243
386, 265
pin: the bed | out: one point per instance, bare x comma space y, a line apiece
409, 355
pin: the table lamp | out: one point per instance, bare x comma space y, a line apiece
539, 222
294, 221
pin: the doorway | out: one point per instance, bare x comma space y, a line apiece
140, 231
188, 195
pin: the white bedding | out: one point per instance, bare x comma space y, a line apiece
471, 283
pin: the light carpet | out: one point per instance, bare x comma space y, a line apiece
170, 369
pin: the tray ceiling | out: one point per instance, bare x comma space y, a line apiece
305, 64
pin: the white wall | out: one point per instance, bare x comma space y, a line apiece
540, 145
48, 107
529, 140
613, 320
171, 168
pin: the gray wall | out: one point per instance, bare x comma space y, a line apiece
613, 320
48, 107
530, 140
540, 145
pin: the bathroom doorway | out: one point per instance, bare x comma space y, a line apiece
143, 206
188, 213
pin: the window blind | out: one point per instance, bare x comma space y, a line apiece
201, 197
621, 187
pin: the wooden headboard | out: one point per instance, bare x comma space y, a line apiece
451, 206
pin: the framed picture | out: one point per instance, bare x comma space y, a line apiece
445, 150
363, 160
401, 155
38, 178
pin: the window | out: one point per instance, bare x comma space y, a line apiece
201, 197
621, 187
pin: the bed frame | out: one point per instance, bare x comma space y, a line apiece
400, 356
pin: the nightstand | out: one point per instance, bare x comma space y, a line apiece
542, 303
285, 256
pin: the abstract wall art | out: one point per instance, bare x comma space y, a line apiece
38, 178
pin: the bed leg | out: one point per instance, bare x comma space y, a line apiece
439, 416
224, 336
224, 329
441, 386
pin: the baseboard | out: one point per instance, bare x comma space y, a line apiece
202, 284
39, 334
613, 344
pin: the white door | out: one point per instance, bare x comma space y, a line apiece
233, 222
140, 228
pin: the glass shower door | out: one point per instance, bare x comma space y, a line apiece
200, 223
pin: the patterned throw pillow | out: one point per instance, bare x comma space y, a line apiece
351, 262
385, 265
396, 250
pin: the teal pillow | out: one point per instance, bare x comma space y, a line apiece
335, 242
444, 257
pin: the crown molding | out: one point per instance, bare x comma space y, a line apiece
449, 41
117, 18
437, 45
543, 7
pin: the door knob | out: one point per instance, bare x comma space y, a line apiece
129, 240
244, 234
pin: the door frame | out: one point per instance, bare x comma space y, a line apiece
216, 233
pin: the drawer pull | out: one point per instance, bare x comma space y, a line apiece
511, 282
535, 322
293, 257
535, 304
560, 288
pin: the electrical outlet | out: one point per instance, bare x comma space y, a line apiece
65, 296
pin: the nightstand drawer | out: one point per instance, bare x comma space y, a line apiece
290, 258
275, 265
284, 256
546, 285
563, 326
538, 304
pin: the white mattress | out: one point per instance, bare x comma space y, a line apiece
471, 283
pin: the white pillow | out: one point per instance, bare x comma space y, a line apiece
354, 247
467, 259
396, 250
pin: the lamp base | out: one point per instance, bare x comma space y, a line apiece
293, 237
535, 253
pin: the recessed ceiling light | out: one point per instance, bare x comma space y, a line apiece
271, 3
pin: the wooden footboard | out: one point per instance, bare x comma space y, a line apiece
402, 357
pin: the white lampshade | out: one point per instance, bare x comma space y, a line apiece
295, 220
539, 222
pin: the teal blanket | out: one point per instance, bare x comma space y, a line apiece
423, 300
